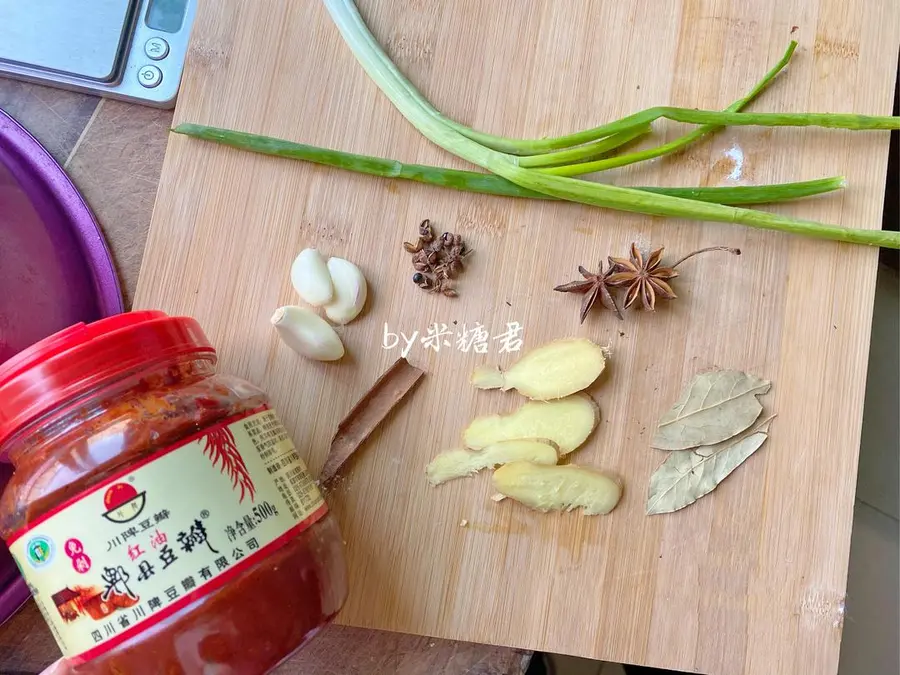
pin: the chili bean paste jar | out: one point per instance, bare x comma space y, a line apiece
158, 509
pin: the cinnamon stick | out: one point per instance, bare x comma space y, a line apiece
396, 382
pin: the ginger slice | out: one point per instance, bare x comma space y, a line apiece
554, 370
459, 462
558, 488
566, 421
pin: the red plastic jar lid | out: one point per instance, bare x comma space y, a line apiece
82, 357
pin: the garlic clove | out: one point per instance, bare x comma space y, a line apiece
350, 291
307, 333
310, 278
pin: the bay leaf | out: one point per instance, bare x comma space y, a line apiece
714, 407
685, 477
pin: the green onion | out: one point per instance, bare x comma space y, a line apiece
409, 102
369, 45
676, 114
587, 151
589, 167
721, 119
485, 183
753, 194
683, 141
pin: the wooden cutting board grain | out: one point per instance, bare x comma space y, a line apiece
752, 578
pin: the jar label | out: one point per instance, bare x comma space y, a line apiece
119, 558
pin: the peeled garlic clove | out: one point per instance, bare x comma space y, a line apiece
310, 278
307, 333
350, 291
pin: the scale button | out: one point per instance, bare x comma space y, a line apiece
156, 48
150, 76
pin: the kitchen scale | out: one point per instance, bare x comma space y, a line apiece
127, 49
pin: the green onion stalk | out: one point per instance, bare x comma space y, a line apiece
571, 155
486, 183
449, 136
673, 146
471, 181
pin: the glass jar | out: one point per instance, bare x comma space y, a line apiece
158, 509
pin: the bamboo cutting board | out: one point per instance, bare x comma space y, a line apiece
750, 579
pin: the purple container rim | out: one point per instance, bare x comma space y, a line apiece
28, 152
29, 155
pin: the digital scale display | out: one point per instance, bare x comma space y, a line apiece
127, 49
166, 15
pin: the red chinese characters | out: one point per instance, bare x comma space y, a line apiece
80, 560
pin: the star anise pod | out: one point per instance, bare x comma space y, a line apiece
647, 279
644, 279
593, 286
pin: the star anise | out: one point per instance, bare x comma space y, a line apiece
647, 279
644, 279
593, 286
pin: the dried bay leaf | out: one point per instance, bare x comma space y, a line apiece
714, 407
685, 477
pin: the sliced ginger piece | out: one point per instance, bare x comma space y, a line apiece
558, 488
552, 371
459, 463
566, 421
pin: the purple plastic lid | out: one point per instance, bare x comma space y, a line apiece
55, 271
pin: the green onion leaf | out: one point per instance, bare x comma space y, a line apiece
485, 183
